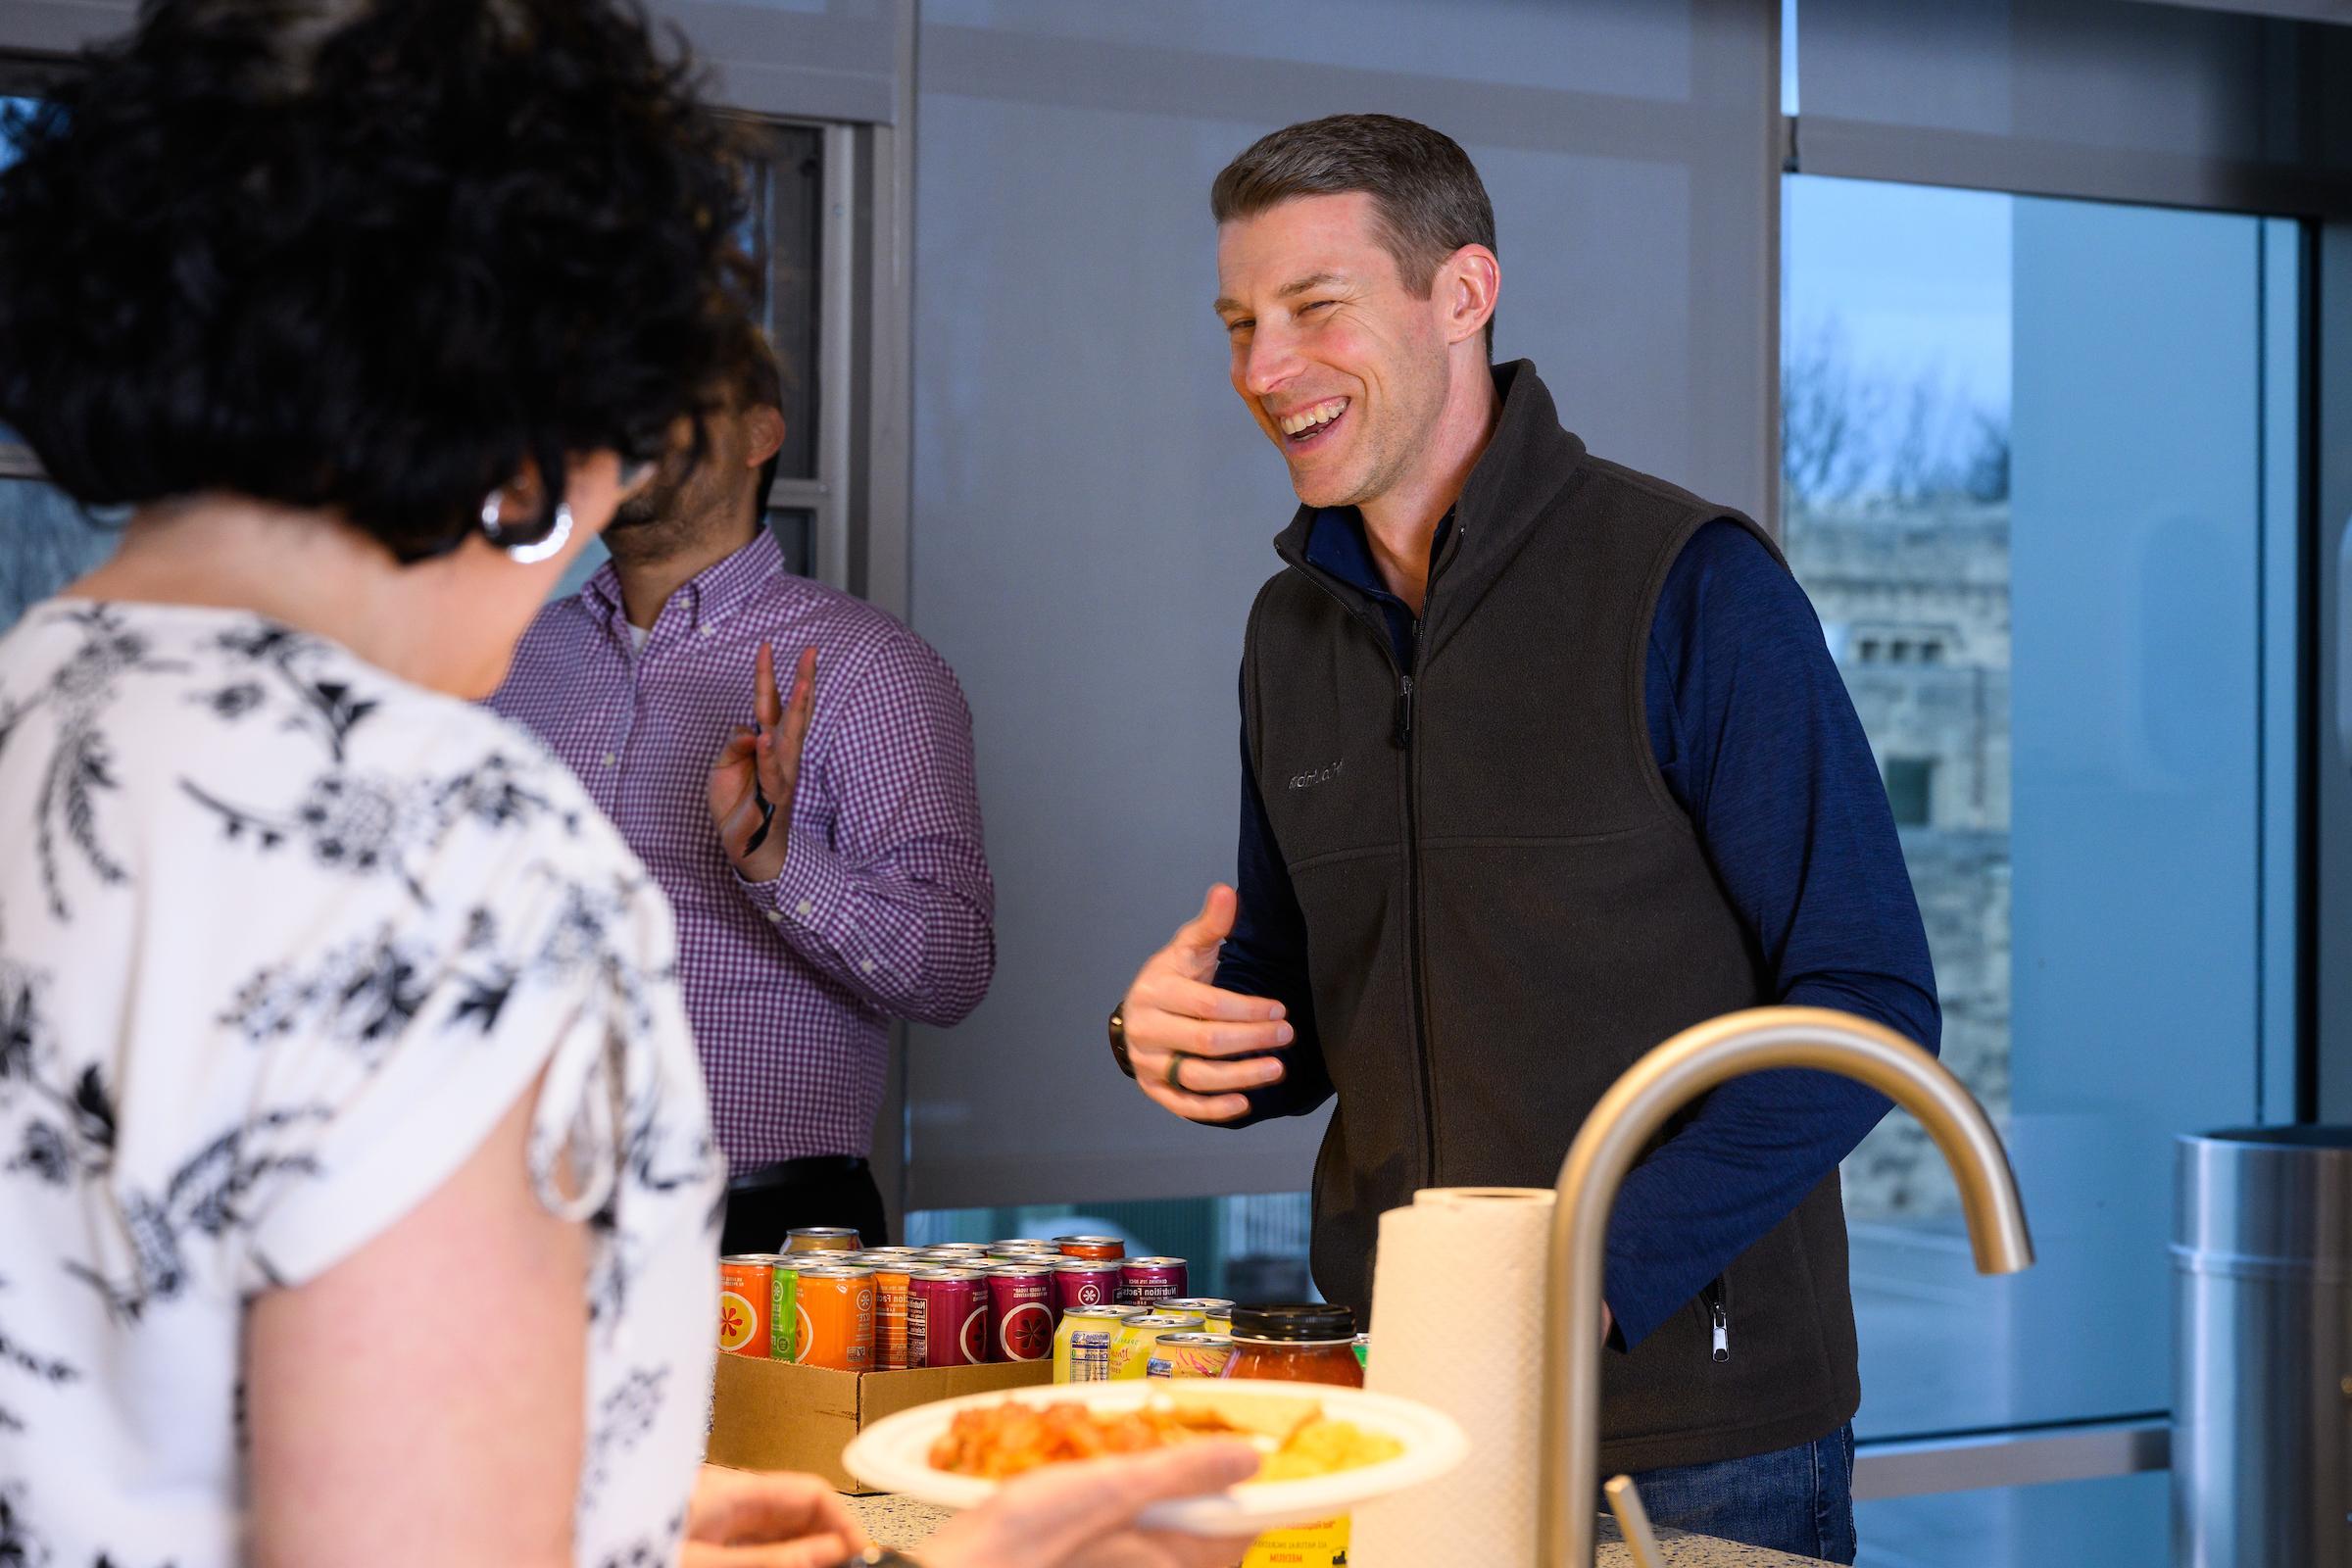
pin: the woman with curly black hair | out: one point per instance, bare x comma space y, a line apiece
355, 1168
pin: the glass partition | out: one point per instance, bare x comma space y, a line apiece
2034, 485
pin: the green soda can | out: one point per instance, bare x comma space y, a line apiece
784, 1309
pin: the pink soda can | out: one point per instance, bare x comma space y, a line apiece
1020, 1306
947, 1318
1144, 1281
1085, 1282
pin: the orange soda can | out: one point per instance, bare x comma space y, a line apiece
744, 1284
890, 1284
836, 1319
1093, 1246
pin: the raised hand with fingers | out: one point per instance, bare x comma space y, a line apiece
1194, 1048
758, 772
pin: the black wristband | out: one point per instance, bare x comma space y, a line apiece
1118, 1039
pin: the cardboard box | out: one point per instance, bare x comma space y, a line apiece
778, 1415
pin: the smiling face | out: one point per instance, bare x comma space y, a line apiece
1344, 366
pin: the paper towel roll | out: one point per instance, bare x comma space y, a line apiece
1457, 1323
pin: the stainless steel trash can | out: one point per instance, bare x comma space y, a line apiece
2262, 1350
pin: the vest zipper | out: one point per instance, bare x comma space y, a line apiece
1414, 955
1717, 1297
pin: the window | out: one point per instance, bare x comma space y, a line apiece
1249, 1248
47, 541
1910, 789
801, 249
1977, 391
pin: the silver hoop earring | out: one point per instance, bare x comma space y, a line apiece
538, 550
546, 548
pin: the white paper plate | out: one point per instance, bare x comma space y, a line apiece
894, 1453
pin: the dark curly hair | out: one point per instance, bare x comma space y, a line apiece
366, 255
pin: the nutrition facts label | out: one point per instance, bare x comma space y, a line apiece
1090, 1357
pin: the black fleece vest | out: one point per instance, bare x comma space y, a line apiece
1505, 908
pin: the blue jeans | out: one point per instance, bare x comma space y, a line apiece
1799, 1501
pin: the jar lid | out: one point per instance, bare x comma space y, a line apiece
1294, 1323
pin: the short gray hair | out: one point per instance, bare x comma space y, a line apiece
1426, 190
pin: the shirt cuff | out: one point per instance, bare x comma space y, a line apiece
808, 893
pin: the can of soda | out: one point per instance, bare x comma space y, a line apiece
836, 1318
1021, 1244
1082, 1344
1023, 1253
1020, 1306
947, 1318
1131, 1346
969, 1249
1148, 1280
820, 1238
892, 1281
1215, 1311
1085, 1282
1188, 1356
783, 1304
746, 1283
1097, 1247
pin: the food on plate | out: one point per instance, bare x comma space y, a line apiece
1298, 1439
1325, 1447
1272, 1416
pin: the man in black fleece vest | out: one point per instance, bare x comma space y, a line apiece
1543, 761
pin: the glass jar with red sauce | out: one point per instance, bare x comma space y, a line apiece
1308, 1342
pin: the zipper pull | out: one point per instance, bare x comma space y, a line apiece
1404, 711
1723, 1331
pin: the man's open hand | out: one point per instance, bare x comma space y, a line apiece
1182, 1031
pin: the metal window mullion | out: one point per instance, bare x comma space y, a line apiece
2026, 1457
836, 294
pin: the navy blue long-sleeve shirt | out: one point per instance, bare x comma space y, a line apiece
1759, 744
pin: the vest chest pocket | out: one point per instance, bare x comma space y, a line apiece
1329, 805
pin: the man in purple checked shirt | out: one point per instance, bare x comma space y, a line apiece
822, 853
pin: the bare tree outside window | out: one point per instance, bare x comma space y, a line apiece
1896, 521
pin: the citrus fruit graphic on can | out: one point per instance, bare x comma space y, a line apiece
743, 1284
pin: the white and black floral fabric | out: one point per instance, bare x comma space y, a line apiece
281, 939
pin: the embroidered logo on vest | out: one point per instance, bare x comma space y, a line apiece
1323, 775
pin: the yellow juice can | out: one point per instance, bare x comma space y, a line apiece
1322, 1545
1131, 1351
1082, 1343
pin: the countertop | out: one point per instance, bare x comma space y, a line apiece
903, 1522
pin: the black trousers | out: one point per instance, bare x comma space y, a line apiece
765, 1203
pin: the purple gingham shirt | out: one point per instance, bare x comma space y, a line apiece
883, 907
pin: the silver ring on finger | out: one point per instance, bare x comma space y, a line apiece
1176, 1062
